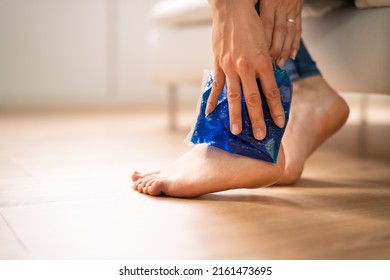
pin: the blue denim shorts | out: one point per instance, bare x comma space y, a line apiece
303, 66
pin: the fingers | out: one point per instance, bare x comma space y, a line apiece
234, 102
297, 38
272, 94
278, 36
288, 40
252, 97
267, 12
253, 104
217, 86
282, 24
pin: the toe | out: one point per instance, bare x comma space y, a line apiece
142, 185
145, 189
138, 175
155, 187
136, 183
144, 182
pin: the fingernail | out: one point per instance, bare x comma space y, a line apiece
208, 110
293, 55
280, 122
259, 134
281, 62
235, 129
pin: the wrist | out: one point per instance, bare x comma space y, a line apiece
218, 6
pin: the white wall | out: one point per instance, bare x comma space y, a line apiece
63, 52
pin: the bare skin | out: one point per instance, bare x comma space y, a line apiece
244, 47
317, 112
207, 169
241, 53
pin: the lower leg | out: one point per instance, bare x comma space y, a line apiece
317, 112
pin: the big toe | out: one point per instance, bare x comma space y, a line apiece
135, 176
155, 188
138, 175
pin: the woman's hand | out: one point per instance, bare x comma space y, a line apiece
241, 54
282, 20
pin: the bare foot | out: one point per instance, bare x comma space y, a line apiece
317, 112
206, 169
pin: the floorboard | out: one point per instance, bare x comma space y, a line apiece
65, 194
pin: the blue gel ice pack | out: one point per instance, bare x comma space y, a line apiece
214, 129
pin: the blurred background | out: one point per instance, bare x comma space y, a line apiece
91, 90
116, 54
68, 54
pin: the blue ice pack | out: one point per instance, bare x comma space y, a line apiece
214, 129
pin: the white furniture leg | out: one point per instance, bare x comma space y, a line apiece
363, 128
172, 107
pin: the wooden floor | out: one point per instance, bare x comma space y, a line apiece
65, 194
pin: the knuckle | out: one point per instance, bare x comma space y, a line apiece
253, 100
216, 85
226, 62
281, 29
244, 65
233, 96
273, 94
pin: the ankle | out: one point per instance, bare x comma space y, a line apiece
279, 168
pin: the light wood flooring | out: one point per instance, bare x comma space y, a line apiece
65, 194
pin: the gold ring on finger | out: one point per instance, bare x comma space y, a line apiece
291, 20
